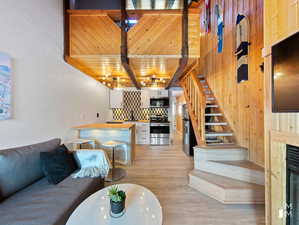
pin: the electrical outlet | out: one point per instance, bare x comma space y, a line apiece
82, 116
98, 115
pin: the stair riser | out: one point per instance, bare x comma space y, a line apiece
235, 172
216, 155
207, 188
248, 197
226, 196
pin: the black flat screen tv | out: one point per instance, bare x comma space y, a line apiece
285, 75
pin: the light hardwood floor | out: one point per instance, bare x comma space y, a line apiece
164, 170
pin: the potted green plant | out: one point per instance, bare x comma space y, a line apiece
117, 199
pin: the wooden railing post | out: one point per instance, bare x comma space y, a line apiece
196, 101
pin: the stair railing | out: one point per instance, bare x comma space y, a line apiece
196, 102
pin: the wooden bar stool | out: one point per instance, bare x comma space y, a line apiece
116, 173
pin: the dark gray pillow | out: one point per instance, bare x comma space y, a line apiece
20, 167
57, 165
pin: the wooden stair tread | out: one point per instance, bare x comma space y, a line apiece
213, 140
212, 106
217, 134
225, 182
219, 144
213, 114
226, 190
242, 163
221, 147
216, 124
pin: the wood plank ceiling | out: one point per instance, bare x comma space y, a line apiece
154, 45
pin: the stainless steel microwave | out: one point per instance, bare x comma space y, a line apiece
159, 102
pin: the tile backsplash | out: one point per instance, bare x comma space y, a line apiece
132, 103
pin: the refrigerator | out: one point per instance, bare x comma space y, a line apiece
189, 139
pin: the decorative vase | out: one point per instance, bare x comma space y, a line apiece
117, 207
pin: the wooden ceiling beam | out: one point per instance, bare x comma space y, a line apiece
185, 48
66, 28
124, 45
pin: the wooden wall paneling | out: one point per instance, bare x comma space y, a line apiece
242, 103
278, 180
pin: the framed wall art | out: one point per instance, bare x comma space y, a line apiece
5, 86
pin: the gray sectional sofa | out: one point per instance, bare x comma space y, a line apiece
26, 197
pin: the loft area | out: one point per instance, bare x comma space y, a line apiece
149, 53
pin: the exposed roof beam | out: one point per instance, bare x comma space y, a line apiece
124, 45
66, 24
185, 48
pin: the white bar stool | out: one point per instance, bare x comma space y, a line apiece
116, 173
79, 142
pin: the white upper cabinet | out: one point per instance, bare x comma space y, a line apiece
116, 99
145, 99
159, 94
163, 93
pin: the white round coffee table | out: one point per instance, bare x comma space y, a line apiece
142, 208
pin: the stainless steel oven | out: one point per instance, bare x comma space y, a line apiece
160, 133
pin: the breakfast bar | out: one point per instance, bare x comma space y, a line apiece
104, 132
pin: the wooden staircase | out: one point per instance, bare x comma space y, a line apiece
209, 122
221, 167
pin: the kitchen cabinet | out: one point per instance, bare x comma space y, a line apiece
159, 94
142, 133
116, 99
145, 99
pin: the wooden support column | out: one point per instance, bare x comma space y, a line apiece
124, 46
185, 48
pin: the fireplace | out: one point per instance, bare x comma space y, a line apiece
292, 185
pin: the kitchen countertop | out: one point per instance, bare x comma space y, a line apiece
130, 121
106, 125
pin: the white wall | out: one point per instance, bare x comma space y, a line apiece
49, 95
